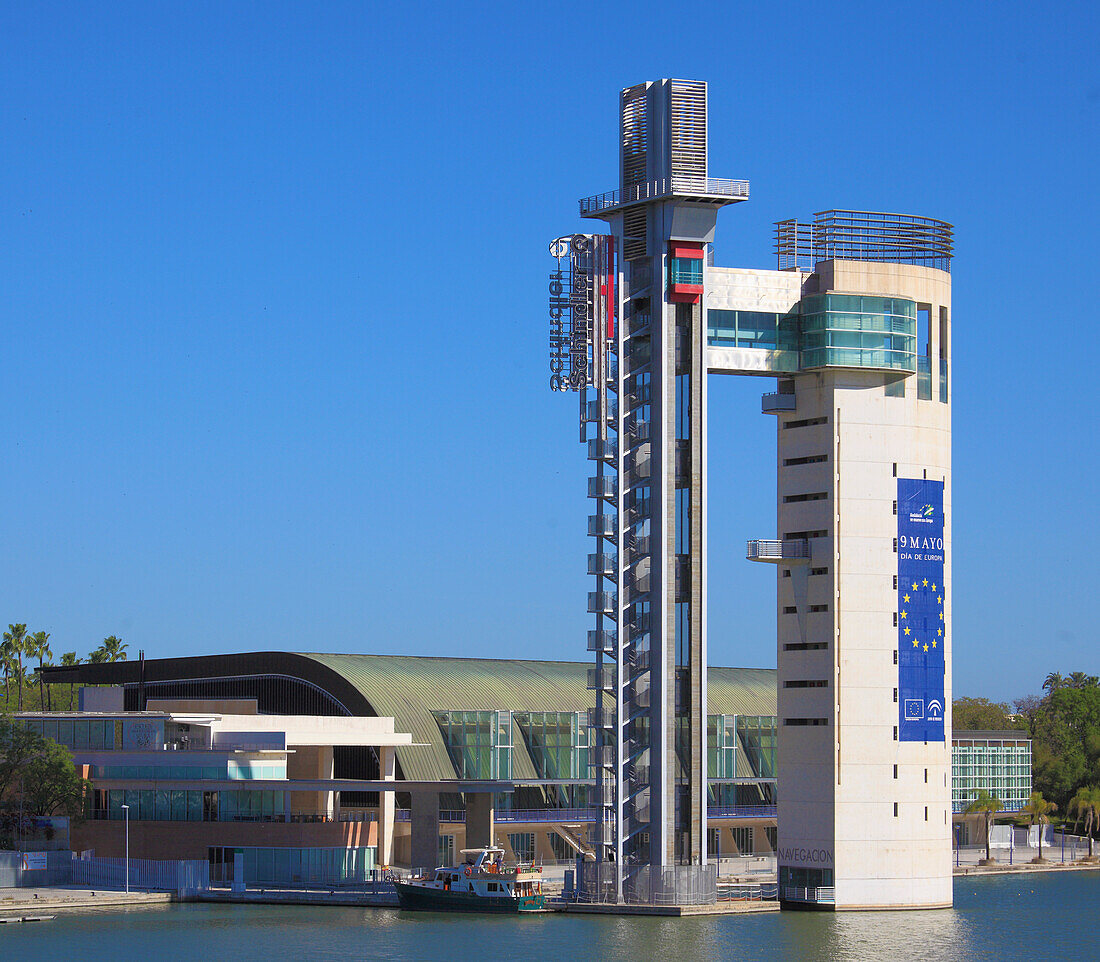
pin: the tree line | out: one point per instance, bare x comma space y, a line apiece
37, 777
19, 651
1064, 726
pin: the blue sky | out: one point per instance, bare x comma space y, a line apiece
274, 326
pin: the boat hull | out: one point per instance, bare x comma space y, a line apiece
419, 898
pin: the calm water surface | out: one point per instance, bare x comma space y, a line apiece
1026, 918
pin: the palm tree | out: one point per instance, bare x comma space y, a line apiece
114, 649
1053, 682
7, 662
69, 660
987, 805
1078, 679
1038, 809
16, 635
1086, 805
38, 646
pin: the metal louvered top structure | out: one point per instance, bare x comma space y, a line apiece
856, 235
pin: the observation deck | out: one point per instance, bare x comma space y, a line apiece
715, 191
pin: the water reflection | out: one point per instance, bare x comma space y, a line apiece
1007, 919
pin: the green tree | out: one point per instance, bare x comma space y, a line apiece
981, 714
113, 649
7, 662
987, 806
1086, 805
1038, 810
70, 660
16, 635
38, 646
1079, 679
37, 777
1053, 682
52, 785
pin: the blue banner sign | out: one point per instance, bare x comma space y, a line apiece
922, 630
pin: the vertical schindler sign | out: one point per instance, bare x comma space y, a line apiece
582, 300
922, 629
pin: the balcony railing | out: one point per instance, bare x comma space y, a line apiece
593, 411
545, 815
822, 895
775, 403
602, 486
445, 815
602, 450
601, 602
602, 525
601, 564
741, 811
601, 640
715, 189
793, 551
601, 718
602, 679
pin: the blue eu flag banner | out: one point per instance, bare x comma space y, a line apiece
922, 630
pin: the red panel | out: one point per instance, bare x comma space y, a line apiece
686, 249
686, 293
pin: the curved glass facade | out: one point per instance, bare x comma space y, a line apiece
854, 330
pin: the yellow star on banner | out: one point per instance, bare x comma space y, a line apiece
915, 642
914, 586
907, 599
905, 614
925, 582
940, 599
939, 631
941, 616
926, 647
933, 642
933, 587
907, 630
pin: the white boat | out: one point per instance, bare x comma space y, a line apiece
482, 883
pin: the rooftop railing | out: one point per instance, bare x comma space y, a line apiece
709, 188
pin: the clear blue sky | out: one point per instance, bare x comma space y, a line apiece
273, 309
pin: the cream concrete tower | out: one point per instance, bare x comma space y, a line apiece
864, 603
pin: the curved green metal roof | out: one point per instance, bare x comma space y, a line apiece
409, 688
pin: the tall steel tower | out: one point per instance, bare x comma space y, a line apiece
629, 333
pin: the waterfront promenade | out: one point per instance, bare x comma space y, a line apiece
15, 902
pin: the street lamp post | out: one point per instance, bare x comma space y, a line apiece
126, 809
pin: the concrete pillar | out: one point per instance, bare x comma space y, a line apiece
479, 819
425, 830
387, 766
325, 769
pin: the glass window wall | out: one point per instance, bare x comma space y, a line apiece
478, 742
850, 330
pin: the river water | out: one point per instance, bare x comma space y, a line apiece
1006, 918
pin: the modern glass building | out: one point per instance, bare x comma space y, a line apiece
995, 762
526, 724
